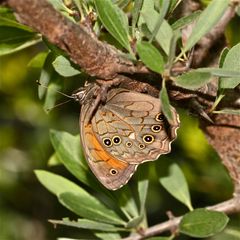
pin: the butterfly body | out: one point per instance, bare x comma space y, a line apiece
125, 131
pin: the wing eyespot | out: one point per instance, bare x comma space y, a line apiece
141, 146
156, 128
159, 117
113, 171
148, 138
129, 144
107, 142
116, 140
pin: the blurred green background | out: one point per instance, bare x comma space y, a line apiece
26, 206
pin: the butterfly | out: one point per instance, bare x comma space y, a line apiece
128, 129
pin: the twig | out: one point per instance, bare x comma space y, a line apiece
228, 207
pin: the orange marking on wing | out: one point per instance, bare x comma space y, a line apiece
98, 152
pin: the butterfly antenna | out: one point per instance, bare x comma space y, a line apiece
57, 105
63, 94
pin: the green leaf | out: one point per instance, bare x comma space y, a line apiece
126, 202
90, 208
46, 75
223, 56
203, 223
52, 93
150, 16
69, 152
212, 13
143, 183
61, 7
163, 12
150, 56
88, 224
193, 80
134, 222
4, 21
53, 160
135, 14
114, 20
182, 22
38, 60
57, 184
166, 107
177, 186
63, 67
108, 236
231, 62
14, 39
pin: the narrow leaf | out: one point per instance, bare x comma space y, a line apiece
52, 94
63, 67
166, 107
203, 223
87, 224
223, 56
163, 12
126, 202
150, 16
135, 14
182, 22
38, 60
177, 186
228, 111
46, 74
150, 56
231, 62
212, 13
143, 183
89, 208
114, 20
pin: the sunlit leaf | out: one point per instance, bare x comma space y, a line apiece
89, 208
203, 223
63, 67
57, 184
38, 60
177, 186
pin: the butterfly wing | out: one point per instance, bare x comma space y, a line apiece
110, 171
132, 128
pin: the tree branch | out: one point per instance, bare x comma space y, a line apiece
228, 207
95, 57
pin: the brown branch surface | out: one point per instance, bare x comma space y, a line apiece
95, 57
